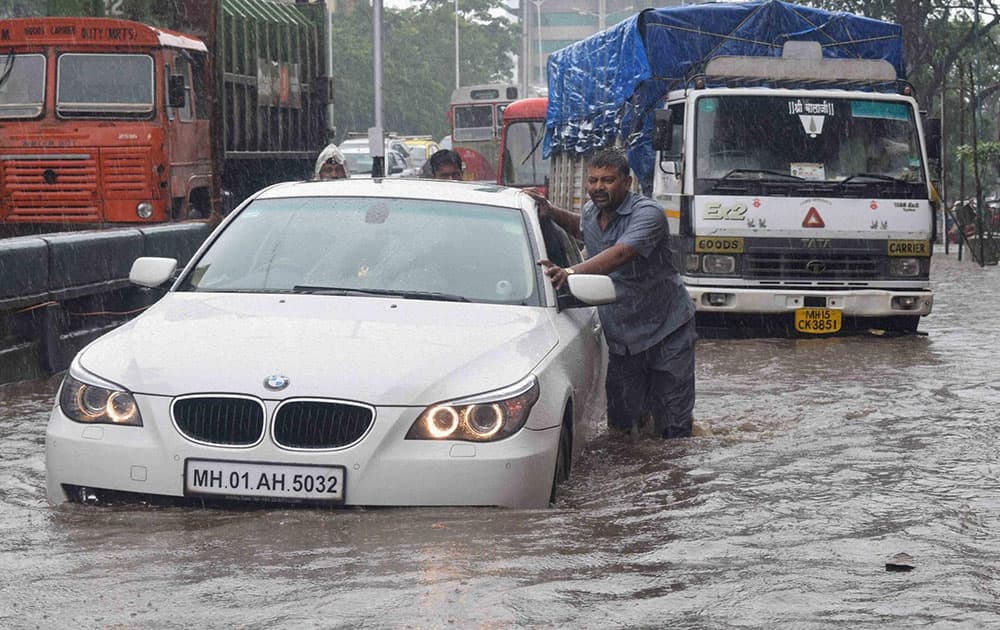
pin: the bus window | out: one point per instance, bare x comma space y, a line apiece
473, 122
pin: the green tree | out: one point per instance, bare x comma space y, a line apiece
419, 63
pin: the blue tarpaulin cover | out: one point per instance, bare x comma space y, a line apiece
608, 85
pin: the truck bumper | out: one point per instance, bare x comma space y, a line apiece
854, 303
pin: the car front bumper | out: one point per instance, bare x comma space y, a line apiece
382, 469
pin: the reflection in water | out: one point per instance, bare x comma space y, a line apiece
821, 459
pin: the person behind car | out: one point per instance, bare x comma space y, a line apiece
446, 164
650, 329
331, 164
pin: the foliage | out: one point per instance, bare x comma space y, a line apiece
419, 63
953, 61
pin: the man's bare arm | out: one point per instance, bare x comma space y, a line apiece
567, 220
604, 263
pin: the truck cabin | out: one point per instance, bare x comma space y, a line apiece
124, 89
521, 162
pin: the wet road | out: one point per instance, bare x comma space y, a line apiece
825, 457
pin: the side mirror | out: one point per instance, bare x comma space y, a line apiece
588, 290
932, 138
176, 91
663, 127
152, 272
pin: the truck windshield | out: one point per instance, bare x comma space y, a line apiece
848, 143
105, 86
522, 156
22, 92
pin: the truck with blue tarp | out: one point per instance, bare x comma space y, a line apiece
785, 146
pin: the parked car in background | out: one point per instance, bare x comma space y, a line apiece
359, 162
421, 149
351, 342
358, 152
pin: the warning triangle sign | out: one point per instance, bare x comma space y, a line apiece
813, 220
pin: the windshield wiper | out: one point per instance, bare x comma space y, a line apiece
876, 176
754, 176
400, 293
8, 67
760, 175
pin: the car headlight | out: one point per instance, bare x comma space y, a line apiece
485, 418
92, 404
692, 262
908, 267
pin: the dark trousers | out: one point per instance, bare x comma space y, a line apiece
659, 381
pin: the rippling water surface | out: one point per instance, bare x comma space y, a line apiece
819, 459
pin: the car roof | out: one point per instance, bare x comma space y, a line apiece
400, 187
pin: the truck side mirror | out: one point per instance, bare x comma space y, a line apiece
932, 137
663, 124
176, 91
932, 140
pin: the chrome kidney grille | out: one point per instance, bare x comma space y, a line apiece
220, 420
317, 424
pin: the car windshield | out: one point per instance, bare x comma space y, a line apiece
418, 155
22, 93
415, 248
105, 85
359, 163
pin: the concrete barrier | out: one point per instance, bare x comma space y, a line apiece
24, 269
59, 290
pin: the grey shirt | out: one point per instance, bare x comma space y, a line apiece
652, 301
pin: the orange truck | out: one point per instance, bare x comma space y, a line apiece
521, 162
113, 122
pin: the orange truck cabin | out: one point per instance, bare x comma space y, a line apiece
101, 121
521, 163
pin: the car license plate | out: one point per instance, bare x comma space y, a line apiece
817, 321
273, 481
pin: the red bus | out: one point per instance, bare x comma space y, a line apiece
476, 114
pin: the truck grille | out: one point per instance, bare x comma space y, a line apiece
319, 424
765, 266
222, 421
50, 187
125, 174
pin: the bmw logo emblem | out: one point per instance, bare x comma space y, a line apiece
276, 382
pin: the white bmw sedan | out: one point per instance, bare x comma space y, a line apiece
351, 342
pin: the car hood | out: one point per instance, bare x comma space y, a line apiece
382, 351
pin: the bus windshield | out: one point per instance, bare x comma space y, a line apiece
104, 85
523, 164
814, 139
22, 93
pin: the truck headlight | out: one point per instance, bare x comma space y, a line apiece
486, 418
692, 262
717, 263
93, 404
907, 267
144, 210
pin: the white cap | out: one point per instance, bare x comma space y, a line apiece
330, 154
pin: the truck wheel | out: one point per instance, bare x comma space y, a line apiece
905, 324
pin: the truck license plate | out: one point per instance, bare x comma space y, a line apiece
818, 321
272, 481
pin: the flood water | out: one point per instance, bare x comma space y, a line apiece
820, 459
